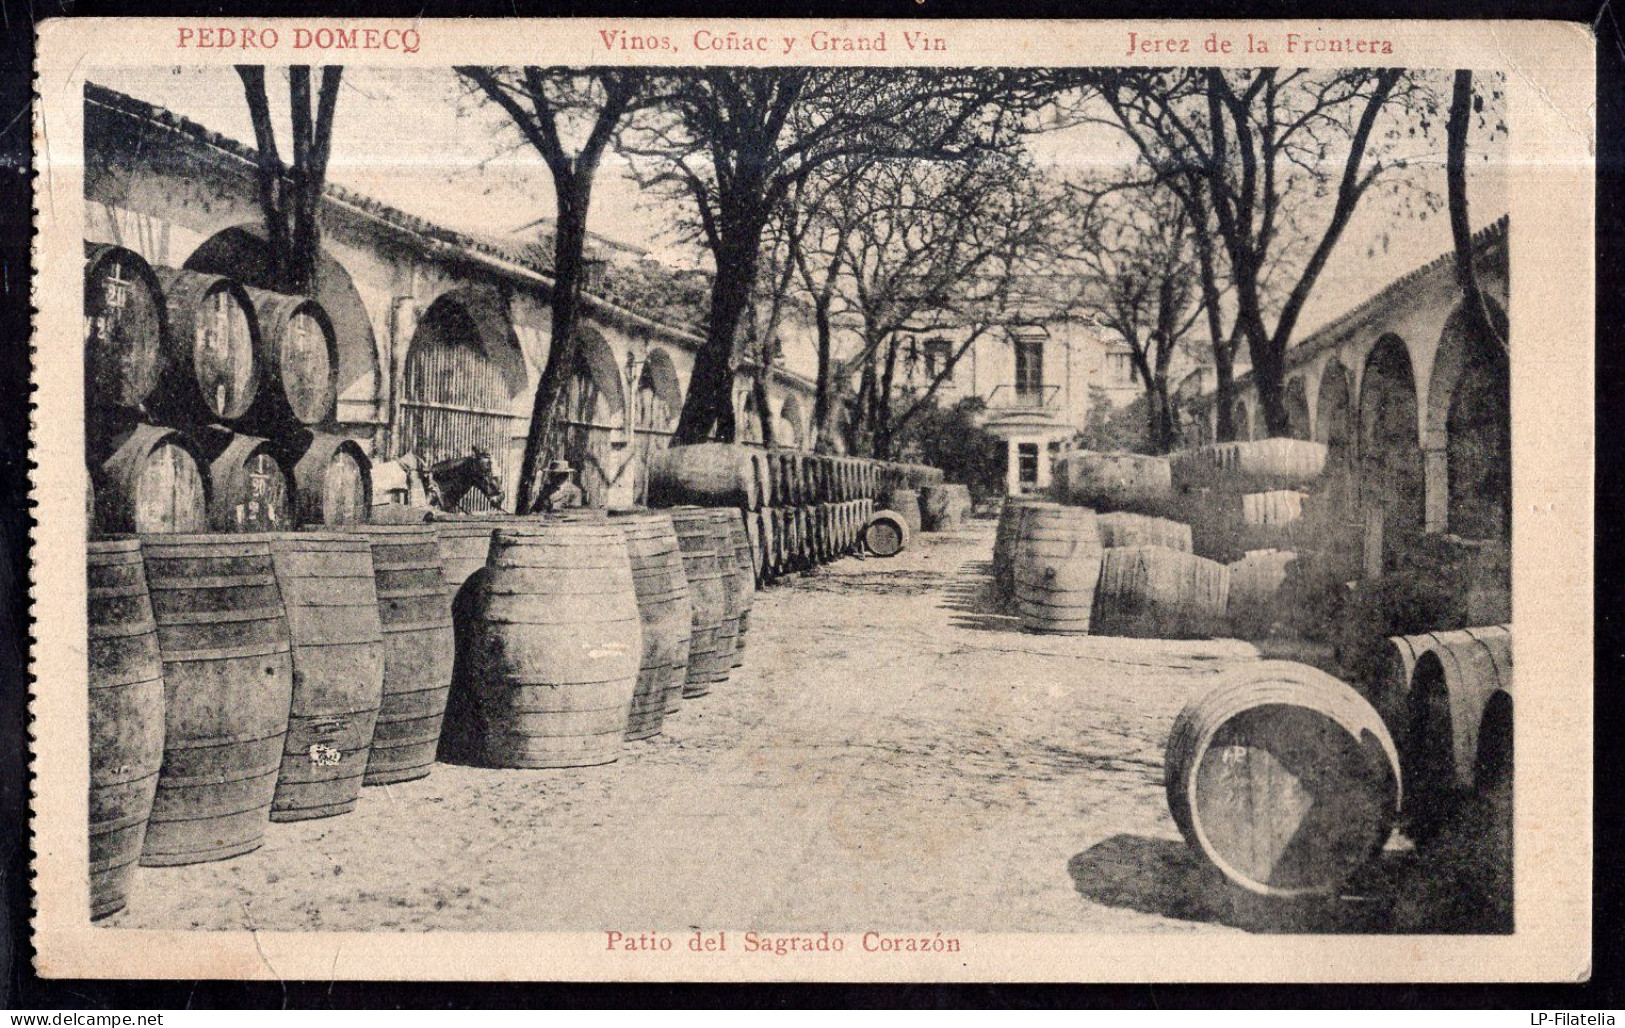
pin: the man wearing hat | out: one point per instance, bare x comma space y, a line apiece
559, 493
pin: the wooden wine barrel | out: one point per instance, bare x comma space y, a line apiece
1254, 582
228, 685
126, 703
1157, 593
745, 566
710, 652
464, 547
1056, 566
1110, 482
1120, 528
332, 479
667, 614
1457, 675
125, 327
704, 474
154, 481
213, 370
1283, 778
556, 641
734, 590
886, 533
250, 490
1260, 465
300, 355
1005, 536
906, 502
414, 613
329, 593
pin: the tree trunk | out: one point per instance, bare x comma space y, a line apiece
1269, 370
1461, 226
1224, 393
569, 245
709, 404
823, 398
764, 413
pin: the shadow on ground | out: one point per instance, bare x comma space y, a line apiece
970, 595
1410, 892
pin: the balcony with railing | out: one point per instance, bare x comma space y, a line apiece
1024, 397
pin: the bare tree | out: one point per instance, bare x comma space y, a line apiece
570, 116
1249, 153
1464, 103
1139, 253
737, 141
290, 194
937, 246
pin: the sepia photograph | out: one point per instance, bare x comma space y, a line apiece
795, 511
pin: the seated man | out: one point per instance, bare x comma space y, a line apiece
560, 493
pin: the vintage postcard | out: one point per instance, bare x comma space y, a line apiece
796, 500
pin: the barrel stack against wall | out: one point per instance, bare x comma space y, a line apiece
666, 612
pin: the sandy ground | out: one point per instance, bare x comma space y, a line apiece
891, 756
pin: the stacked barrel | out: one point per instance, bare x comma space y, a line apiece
208, 404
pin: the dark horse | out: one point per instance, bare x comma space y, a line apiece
448, 481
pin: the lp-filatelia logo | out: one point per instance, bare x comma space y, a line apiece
1566, 1019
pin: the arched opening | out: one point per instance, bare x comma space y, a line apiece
789, 427
594, 411
1241, 421
658, 400
463, 371
1390, 458
1470, 419
240, 253
1297, 409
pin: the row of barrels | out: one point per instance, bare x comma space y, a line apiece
786, 540
1066, 570
156, 479
1288, 781
749, 478
240, 679
187, 348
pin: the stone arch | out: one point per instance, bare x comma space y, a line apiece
463, 373
240, 253
1299, 419
1468, 432
1390, 458
594, 416
657, 402
793, 422
747, 421
1334, 418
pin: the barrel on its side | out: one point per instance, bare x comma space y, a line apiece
1283, 778
704, 474
1120, 528
300, 357
250, 490
886, 533
228, 685
1109, 482
332, 479
414, 614
666, 612
556, 644
155, 480
329, 592
126, 703
1254, 466
703, 565
213, 370
1057, 565
1458, 677
125, 325
1158, 593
